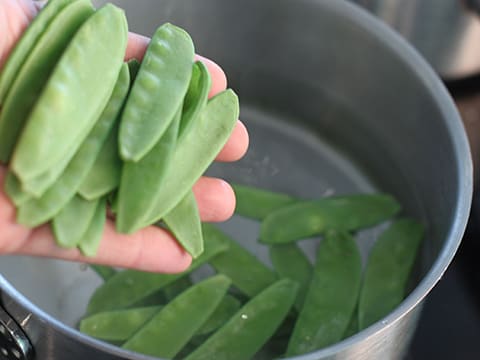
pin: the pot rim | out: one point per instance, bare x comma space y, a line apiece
430, 80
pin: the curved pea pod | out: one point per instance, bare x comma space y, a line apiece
90, 241
224, 311
196, 96
38, 211
130, 286
157, 92
331, 297
173, 326
251, 327
146, 174
72, 222
388, 269
247, 272
309, 218
117, 325
257, 203
105, 272
13, 189
184, 222
75, 94
27, 42
196, 149
177, 287
35, 71
289, 261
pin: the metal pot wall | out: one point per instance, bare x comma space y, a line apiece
336, 103
446, 32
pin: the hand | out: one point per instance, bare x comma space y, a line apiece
150, 249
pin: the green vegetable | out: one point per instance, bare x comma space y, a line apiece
177, 287
388, 268
245, 333
224, 311
173, 326
309, 218
105, 272
90, 242
157, 92
13, 189
331, 297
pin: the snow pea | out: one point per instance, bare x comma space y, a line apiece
73, 97
184, 222
331, 297
157, 92
105, 272
195, 151
196, 96
257, 203
174, 325
247, 272
71, 223
35, 71
389, 266
147, 174
251, 327
90, 241
13, 189
25, 45
117, 325
38, 211
309, 218
130, 286
178, 286
289, 261
224, 311
133, 67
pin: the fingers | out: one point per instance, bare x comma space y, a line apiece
236, 146
215, 199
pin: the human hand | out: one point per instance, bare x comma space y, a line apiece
150, 249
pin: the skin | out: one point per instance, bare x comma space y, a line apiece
149, 249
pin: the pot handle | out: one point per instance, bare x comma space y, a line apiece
14, 344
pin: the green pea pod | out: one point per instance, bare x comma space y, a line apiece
194, 153
184, 222
38, 211
352, 327
247, 272
196, 96
177, 287
251, 327
133, 67
224, 311
173, 326
157, 92
146, 174
75, 94
130, 286
289, 261
105, 272
71, 223
117, 325
13, 189
332, 295
90, 242
32, 35
388, 269
35, 71
310, 218
258, 203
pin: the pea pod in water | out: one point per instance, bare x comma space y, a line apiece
90, 241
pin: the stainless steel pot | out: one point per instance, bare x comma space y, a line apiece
446, 32
335, 102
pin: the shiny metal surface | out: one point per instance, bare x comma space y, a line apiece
335, 103
446, 32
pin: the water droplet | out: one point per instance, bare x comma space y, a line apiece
244, 316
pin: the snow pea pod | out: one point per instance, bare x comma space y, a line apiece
332, 295
309, 218
251, 327
38, 211
196, 149
177, 287
289, 261
224, 311
257, 203
247, 272
36, 69
184, 222
117, 325
174, 325
147, 174
13, 189
105, 272
73, 97
25, 45
130, 286
157, 92
71, 223
90, 241
389, 266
